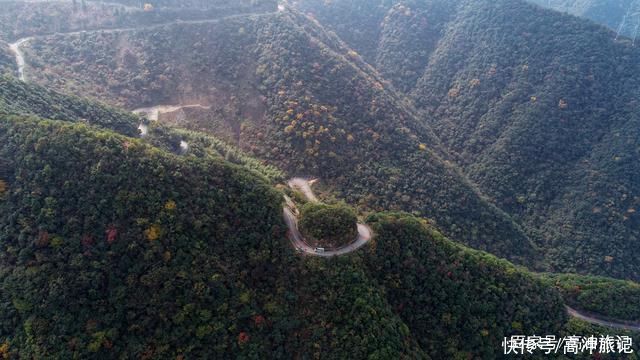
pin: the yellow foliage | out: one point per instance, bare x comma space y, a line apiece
289, 129
534, 98
353, 54
3, 187
153, 233
350, 138
422, 147
245, 297
170, 205
4, 351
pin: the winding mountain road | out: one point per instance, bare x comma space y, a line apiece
592, 319
304, 185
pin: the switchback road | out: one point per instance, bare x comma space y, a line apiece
304, 185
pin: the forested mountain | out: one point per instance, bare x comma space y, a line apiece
122, 237
111, 247
19, 19
538, 108
617, 299
622, 16
200, 4
289, 93
7, 60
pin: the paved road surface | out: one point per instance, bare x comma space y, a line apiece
364, 232
602, 322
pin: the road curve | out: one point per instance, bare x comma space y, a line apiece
364, 232
592, 319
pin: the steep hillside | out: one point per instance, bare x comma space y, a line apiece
622, 16
616, 299
290, 94
19, 19
430, 280
202, 4
538, 108
18, 98
554, 142
192, 253
7, 60
112, 246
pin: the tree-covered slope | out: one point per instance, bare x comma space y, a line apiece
18, 98
293, 95
7, 60
538, 108
616, 299
429, 279
99, 229
19, 19
546, 125
621, 16
113, 248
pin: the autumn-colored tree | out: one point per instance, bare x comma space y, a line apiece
243, 338
112, 233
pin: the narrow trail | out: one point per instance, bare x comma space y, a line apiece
364, 232
593, 319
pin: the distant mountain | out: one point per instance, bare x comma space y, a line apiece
538, 108
622, 16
